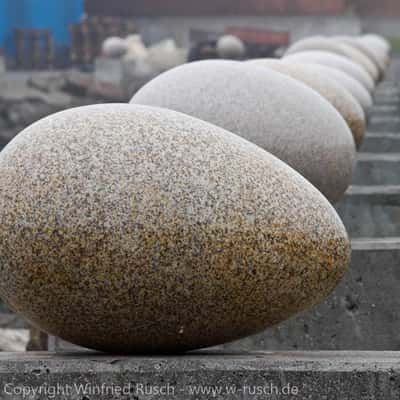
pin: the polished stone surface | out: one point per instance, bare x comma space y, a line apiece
271, 110
328, 88
135, 229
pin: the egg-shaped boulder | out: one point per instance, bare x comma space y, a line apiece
230, 47
354, 42
135, 229
313, 43
337, 47
114, 47
334, 61
360, 58
379, 41
377, 47
276, 112
327, 87
350, 84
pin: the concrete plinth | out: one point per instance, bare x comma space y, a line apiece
297, 375
371, 211
384, 123
377, 169
384, 109
384, 142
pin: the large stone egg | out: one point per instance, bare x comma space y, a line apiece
378, 47
337, 47
274, 111
327, 87
114, 47
354, 42
349, 83
135, 229
334, 61
379, 41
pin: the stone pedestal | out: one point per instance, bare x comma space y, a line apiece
260, 375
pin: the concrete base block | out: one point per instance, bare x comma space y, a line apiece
384, 142
384, 109
382, 123
371, 211
377, 169
297, 375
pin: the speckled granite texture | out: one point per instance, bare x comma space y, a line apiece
271, 110
334, 61
338, 96
135, 229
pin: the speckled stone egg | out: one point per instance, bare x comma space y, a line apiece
114, 47
333, 45
336, 94
378, 47
230, 47
335, 61
135, 229
349, 83
274, 111
354, 42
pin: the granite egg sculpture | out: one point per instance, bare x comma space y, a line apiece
338, 96
337, 47
133, 229
350, 84
276, 112
114, 47
334, 61
357, 56
377, 47
230, 47
379, 41
354, 42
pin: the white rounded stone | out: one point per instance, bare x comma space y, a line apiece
355, 43
379, 41
114, 47
274, 111
334, 46
350, 84
335, 61
230, 47
375, 46
336, 94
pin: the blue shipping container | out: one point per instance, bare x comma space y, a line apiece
55, 15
